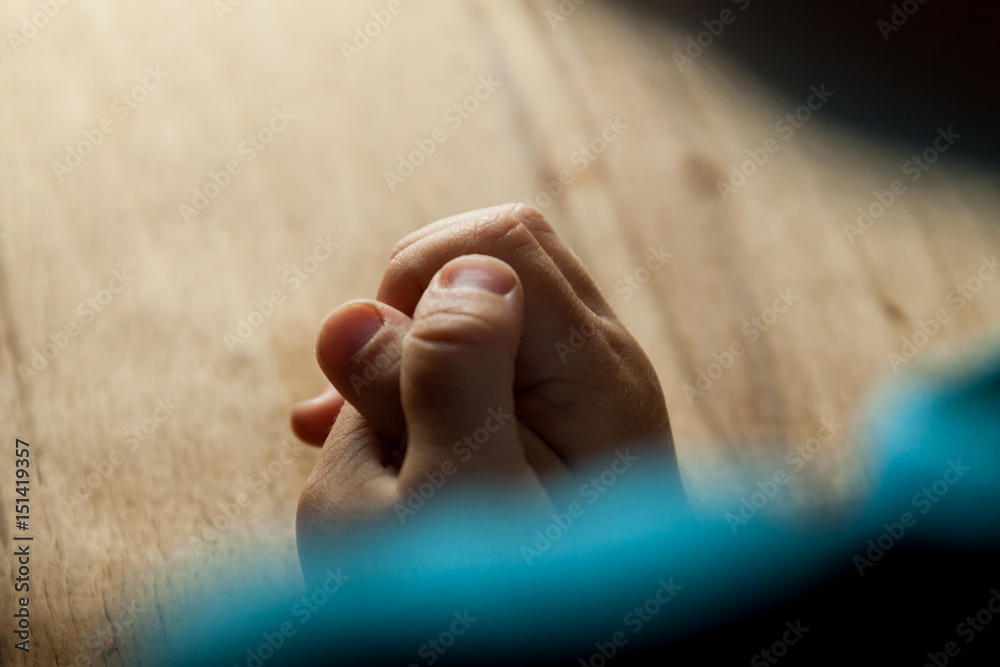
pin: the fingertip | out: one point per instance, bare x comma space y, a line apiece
458, 368
312, 420
345, 332
473, 300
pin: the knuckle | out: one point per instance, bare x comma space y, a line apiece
499, 224
438, 330
405, 243
398, 249
533, 219
498, 227
514, 226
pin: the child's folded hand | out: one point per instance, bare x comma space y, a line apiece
490, 354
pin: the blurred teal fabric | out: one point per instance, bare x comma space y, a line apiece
637, 567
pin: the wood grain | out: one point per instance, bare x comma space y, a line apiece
103, 567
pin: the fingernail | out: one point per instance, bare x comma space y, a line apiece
479, 274
347, 331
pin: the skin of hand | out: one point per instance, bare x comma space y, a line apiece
479, 316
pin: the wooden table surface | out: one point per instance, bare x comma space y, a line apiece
151, 411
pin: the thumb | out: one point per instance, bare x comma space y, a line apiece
457, 377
